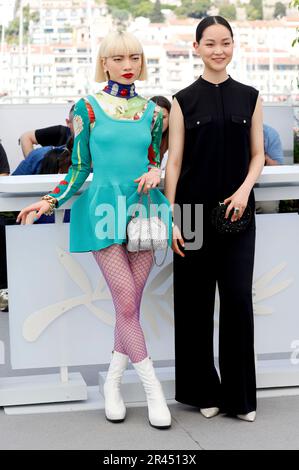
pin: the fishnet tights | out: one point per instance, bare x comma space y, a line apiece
126, 276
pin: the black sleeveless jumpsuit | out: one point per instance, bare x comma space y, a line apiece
215, 163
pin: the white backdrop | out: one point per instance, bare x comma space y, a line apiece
276, 283
61, 311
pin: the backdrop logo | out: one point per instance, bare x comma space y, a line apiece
157, 300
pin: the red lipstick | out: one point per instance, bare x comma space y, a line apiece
128, 75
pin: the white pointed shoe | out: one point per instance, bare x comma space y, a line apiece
209, 412
248, 417
158, 412
115, 409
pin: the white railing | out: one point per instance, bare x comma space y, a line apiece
268, 98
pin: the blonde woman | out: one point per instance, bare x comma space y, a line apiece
118, 132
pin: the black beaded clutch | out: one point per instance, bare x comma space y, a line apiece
223, 225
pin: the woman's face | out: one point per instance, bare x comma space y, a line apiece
123, 69
165, 119
215, 47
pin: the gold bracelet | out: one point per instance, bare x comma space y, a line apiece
52, 201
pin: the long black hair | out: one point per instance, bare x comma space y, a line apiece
210, 21
50, 162
65, 159
57, 160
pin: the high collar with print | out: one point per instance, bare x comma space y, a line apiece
120, 90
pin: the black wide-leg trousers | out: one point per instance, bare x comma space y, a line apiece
228, 260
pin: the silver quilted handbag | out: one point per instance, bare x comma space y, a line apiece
147, 233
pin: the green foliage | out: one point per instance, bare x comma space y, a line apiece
157, 16
141, 8
194, 8
295, 3
120, 15
255, 10
136, 8
167, 7
12, 31
119, 4
228, 11
279, 10
258, 4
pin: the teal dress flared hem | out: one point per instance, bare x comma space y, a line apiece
93, 242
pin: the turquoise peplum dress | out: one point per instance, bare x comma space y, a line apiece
118, 152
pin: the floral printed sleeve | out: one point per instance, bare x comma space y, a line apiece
154, 148
81, 159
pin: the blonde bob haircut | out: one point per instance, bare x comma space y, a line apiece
119, 43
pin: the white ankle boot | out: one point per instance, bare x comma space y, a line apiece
115, 409
248, 416
209, 412
158, 412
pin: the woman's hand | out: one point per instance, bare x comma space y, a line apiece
149, 180
237, 202
31, 218
177, 241
39, 208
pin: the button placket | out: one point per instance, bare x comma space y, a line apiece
221, 133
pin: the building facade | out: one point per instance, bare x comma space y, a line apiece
58, 60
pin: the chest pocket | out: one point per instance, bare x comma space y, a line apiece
197, 122
243, 121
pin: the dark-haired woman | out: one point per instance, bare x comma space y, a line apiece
57, 160
215, 155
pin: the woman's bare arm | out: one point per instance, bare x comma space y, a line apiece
173, 166
175, 152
